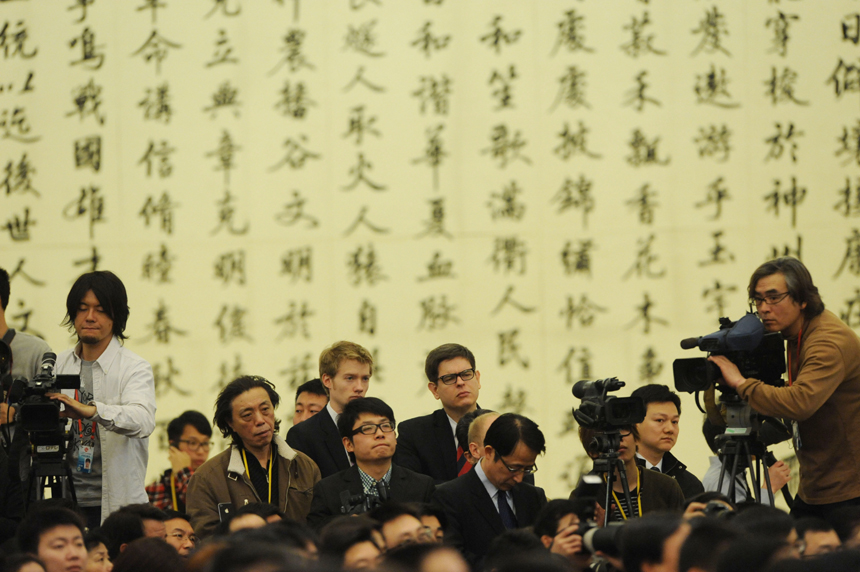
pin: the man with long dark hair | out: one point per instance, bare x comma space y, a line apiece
113, 413
822, 396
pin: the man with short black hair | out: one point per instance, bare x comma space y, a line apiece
658, 433
367, 428
491, 498
258, 467
311, 398
153, 519
180, 534
428, 444
817, 535
345, 370
189, 438
113, 413
822, 396
399, 524
56, 536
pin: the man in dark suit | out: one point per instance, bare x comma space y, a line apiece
492, 498
427, 444
345, 370
367, 429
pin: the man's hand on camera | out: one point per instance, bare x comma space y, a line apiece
74, 409
567, 542
780, 474
731, 374
695, 509
7, 414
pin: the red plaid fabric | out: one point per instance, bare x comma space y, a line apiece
159, 491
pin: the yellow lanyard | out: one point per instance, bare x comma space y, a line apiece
638, 497
248, 472
173, 491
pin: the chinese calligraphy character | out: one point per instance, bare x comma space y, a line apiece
160, 328
577, 260
509, 349
780, 88
226, 212
231, 324
637, 97
19, 270
786, 250
502, 93
360, 79
780, 140
584, 311
712, 88
90, 57
230, 267
437, 313
571, 89
508, 300
514, 402
574, 143
88, 152
18, 177
156, 103
714, 141
780, 24
845, 78
225, 154
162, 155
851, 259
849, 203
19, 227
362, 39
161, 210
712, 28
299, 371
358, 173
850, 144
640, 43
163, 377
226, 97
362, 266
575, 195
427, 43
644, 152
87, 100
719, 254
294, 100
222, 4
715, 195
358, 126
644, 260
504, 147
15, 42
791, 198
292, 50
645, 315
362, 219
91, 203
570, 33
294, 211
435, 225
297, 264
433, 152
156, 48
295, 321
297, 154
498, 37
82, 5
434, 93
851, 314
716, 295
438, 268
505, 204
583, 356
91, 263
157, 266
223, 51
509, 255
367, 318
651, 367
851, 28
644, 203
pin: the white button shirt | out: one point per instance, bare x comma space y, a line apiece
124, 396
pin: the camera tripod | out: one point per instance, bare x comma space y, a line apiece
606, 464
737, 449
49, 468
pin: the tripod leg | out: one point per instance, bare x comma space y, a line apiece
755, 476
767, 479
626, 487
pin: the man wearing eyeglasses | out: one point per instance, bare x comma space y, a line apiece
366, 426
428, 444
189, 438
492, 497
822, 396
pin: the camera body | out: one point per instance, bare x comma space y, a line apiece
745, 343
597, 411
38, 413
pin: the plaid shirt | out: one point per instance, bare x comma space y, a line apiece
159, 491
369, 483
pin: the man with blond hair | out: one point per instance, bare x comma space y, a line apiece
345, 370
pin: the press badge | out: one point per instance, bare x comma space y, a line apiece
85, 458
795, 433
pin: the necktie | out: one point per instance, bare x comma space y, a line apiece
656, 469
463, 466
509, 519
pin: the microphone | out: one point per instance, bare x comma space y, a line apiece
49, 359
690, 343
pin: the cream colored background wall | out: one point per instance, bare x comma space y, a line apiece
266, 290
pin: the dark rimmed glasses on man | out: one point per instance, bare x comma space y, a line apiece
524, 470
450, 378
370, 428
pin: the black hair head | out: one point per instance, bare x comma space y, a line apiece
444, 353
43, 519
194, 418
224, 402
5, 289
509, 429
657, 393
798, 282
314, 386
353, 410
111, 294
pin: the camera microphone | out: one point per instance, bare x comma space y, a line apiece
49, 360
690, 343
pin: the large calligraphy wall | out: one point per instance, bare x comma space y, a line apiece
567, 187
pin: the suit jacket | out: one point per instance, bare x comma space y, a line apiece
405, 486
473, 519
319, 439
426, 445
689, 483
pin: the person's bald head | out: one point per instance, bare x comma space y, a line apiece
477, 431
